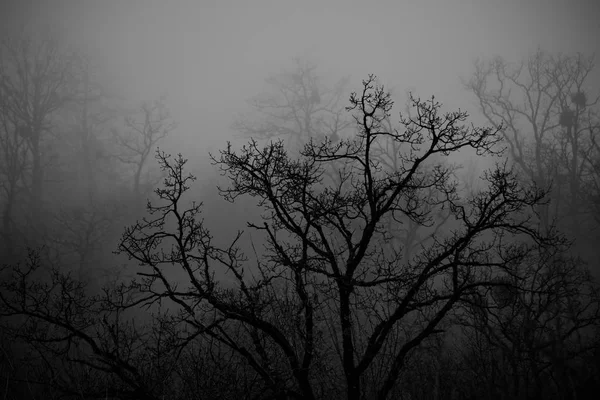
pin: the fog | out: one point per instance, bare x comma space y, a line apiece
209, 59
211, 56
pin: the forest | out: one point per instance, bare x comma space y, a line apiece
375, 249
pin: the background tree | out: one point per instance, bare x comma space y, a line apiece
61, 195
83, 147
541, 318
36, 81
591, 185
104, 192
13, 164
83, 177
140, 137
299, 107
547, 113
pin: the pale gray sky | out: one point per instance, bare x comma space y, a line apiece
210, 56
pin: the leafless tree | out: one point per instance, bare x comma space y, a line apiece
327, 287
14, 165
87, 121
536, 316
299, 107
37, 78
140, 137
546, 110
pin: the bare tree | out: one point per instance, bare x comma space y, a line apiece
591, 185
36, 80
141, 136
14, 165
545, 108
327, 287
89, 119
298, 108
536, 316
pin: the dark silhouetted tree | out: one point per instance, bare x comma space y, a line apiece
327, 290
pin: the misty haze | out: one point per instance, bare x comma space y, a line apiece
299, 200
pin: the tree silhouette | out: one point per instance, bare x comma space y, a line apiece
327, 287
371, 251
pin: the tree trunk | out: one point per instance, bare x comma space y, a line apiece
36, 202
